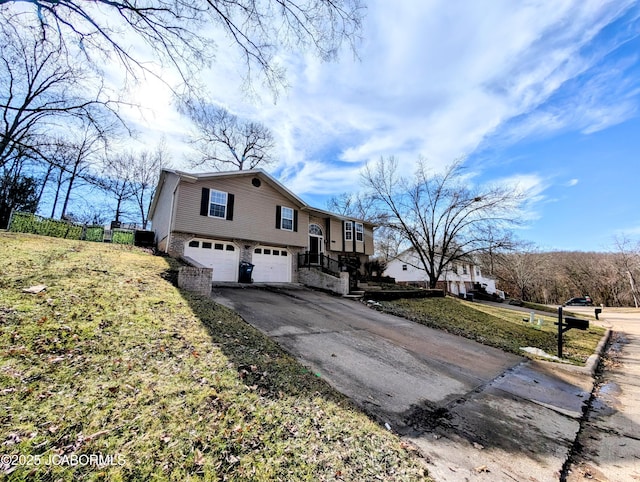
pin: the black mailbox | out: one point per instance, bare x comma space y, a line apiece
576, 323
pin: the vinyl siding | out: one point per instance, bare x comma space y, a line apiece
368, 240
338, 244
162, 213
254, 214
336, 241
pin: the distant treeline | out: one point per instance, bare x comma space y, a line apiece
554, 277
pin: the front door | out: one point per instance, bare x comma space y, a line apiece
315, 244
314, 250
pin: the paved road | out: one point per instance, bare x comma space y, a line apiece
610, 439
475, 412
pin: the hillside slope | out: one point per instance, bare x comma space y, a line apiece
112, 373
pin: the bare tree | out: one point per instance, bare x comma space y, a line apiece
44, 89
82, 156
176, 30
443, 219
629, 256
117, 181
146, 168
223, 140
522, 272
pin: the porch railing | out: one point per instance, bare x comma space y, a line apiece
329, 265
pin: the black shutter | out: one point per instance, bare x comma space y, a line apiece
344, 243
204, 202
327, 238
230, 201
295, 220
278, 216
354, 236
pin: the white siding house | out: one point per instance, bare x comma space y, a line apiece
458, 279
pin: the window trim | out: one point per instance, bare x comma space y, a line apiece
348, 231
283, 218
212, 203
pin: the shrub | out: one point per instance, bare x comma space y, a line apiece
31, 223
121, 236
94, 233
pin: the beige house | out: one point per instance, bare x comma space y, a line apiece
218, 220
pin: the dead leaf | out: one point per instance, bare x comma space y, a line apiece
198, 458
481, 469
478, 446
408, 446
34, 290
97, 434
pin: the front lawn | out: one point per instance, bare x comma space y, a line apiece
112, 373
498, 327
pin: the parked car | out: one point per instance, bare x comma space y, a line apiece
516, 302
580, 301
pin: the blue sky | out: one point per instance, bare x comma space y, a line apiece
543, 94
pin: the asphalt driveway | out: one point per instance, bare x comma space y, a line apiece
475, 412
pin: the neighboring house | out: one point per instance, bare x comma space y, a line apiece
460, 278
221, 219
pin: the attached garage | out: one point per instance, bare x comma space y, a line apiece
271, 265
222, 256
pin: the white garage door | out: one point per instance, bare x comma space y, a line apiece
222, 256
272, 265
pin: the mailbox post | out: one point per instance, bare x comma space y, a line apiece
569, 322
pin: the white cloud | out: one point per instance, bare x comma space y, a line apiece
572, 182
435, 79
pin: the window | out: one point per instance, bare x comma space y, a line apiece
404, 267
464, 269
267, 251
217, 204
315, 230
477, 271
218, 246
283, 253
287, 219
194, 244
258, 251
359, 232
206, 245
230, 248
348, 231
276, 252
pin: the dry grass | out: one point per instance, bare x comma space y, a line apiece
112, 359
498, 327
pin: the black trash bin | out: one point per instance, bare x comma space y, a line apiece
469, 296
245, 272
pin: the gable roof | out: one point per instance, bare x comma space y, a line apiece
259, 173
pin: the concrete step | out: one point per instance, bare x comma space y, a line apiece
355, 295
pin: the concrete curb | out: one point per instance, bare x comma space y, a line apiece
592, 362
